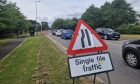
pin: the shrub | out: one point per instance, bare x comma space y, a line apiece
128, 29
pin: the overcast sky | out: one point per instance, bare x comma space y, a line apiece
49, 10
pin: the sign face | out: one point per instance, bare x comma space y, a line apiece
85, 40
89, 64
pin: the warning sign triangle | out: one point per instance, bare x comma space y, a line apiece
85, 40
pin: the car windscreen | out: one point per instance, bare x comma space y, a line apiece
67, 31
109, 30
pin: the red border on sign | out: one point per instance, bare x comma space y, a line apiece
86, 50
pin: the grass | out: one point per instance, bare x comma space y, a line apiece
4, 41
126, 37
36, 61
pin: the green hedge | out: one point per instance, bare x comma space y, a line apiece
129, 29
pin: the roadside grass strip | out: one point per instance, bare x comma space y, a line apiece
4, 41
36, 61
19, 65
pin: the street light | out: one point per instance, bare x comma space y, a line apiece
36, 16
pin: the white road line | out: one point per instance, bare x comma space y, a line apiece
114, 44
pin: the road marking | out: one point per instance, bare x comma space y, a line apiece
114, 44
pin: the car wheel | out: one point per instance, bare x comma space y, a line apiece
132, 60
105, 37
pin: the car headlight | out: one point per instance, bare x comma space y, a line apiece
126, 42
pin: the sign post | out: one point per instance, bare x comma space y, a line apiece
86, 40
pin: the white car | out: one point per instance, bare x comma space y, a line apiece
59, 32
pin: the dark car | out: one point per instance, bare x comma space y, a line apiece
131, 53
67, 34
107, 33
53, 32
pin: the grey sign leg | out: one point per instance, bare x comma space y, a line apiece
94, 79
78, 80
108, 77
73, 81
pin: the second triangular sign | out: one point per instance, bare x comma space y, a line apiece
85, 40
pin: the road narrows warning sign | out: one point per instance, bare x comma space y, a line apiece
85, 40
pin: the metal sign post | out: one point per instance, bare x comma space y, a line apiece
106, 74
78, 80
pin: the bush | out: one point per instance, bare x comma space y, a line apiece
129, 29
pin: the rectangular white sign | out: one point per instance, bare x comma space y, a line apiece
89, 64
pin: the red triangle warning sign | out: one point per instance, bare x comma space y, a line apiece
85, 40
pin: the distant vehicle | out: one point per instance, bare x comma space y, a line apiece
107, 33
53, 32
67, 34
59, 32
131, 53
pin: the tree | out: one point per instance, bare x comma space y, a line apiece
11, 19
44, 25
110, 15
93, 16
58, 24
64, 24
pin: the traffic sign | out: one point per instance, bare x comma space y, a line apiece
85, 40
89, 64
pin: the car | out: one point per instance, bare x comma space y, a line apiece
107, 33
131, 53
67, 34
53, 32
59, 32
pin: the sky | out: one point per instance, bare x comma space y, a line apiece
49, 10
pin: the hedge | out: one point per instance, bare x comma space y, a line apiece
128, 29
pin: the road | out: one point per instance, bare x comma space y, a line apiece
122, 73
8, 47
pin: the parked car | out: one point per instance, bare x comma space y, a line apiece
67, 34
131, 53
107, 33
59, 32
53, 32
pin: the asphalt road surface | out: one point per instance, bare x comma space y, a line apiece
8, 47
122, 73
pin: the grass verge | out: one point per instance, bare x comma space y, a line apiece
126, 37
3, 41
36, 61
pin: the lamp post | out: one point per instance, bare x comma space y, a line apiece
36, 16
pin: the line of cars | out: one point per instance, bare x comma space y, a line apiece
64, 34
130, 48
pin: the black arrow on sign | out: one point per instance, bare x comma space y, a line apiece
83, 36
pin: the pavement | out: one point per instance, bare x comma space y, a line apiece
8, 47
122, 74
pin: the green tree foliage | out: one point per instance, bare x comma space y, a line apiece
44, 25
64, 24
129, 29
93, 16
34, 25
58, 24
110, 14
11, 19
